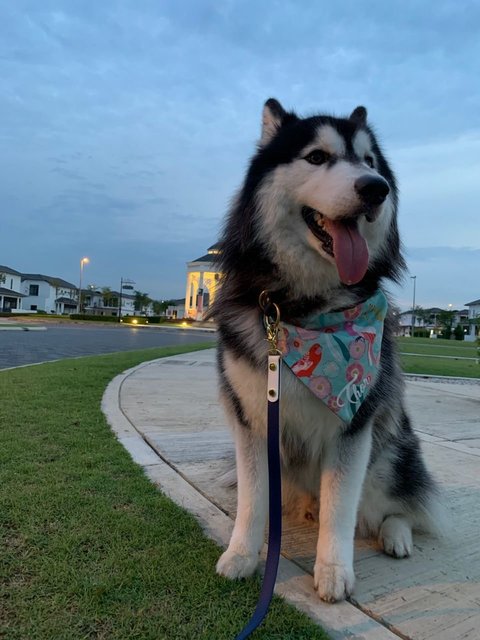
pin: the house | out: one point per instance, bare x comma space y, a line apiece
428, 319
473, 320
176, 309
49, 294
202, 281
106, 303
10, 289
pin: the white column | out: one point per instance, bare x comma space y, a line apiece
199, 301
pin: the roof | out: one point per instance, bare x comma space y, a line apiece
211, 254
209, 257
470, 304
4, 269
177, 303
55, 282
67, 301
11, 293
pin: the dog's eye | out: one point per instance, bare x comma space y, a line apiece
369, 160
317, 157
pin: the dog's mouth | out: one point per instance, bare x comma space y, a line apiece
342, 241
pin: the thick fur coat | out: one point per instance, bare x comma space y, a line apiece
315, 225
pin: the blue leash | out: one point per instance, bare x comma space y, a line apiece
274, 482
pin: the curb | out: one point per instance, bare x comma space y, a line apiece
341, 621
16, 327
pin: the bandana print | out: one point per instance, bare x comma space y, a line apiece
336, 355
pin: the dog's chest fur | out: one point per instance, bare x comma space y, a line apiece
306, 422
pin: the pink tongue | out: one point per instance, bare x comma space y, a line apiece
350, 250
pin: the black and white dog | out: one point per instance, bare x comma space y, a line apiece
314, 224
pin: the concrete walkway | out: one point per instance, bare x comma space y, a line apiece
166, 414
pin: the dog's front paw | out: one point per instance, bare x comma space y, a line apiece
233, 564
333, 582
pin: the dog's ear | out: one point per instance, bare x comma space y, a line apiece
272, 118
359, 116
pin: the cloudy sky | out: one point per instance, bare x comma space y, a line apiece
127, 125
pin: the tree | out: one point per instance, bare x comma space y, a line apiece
422, 315
445, 320
141, 301
459, 333
110, 299
160, 306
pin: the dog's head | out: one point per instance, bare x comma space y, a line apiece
320, 200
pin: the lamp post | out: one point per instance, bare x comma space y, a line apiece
414, 278
82, 262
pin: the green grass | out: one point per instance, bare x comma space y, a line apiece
90, 549
439, 365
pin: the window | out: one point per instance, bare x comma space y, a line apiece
33, 307
33, 290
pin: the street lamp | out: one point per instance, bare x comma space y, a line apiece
82, 262
414, 278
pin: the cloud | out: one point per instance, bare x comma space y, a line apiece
128, 127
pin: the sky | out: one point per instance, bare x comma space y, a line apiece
127, 126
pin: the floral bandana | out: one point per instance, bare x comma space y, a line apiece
337, 354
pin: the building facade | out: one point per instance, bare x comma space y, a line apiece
10, 289
428, 319
49, 294
203, 278
100, 303
473, 319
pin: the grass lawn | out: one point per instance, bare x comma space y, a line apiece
90, 549
439, 365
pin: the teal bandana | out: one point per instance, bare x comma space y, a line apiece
337, 354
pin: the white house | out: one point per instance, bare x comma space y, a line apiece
203, 277
98, 303
429, 320
49, 294
176, 309
473, 314
10, 289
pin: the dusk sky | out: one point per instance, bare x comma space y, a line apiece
127, 126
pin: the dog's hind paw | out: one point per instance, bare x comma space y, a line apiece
396, 537
234, 565
333, 582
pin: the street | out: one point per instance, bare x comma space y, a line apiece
58, 341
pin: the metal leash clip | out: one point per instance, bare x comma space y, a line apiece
271, 321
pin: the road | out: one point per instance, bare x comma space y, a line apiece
58, 341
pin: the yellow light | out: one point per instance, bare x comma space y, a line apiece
85, 260
184, 324
134, 321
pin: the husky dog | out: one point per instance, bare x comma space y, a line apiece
314, 225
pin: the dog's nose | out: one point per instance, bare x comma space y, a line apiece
372, 189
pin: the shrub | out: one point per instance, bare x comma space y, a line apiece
85, 316
421, 333
459, 333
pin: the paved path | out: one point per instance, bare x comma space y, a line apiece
166, 414
68, 341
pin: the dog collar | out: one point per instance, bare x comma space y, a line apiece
336, 355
